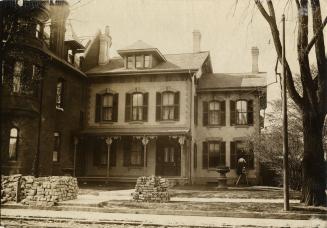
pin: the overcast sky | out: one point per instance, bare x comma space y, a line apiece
228, 30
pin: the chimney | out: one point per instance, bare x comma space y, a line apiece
255, 55
105, 44
196, 41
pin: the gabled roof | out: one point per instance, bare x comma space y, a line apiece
141, 47
175, 62
231, 81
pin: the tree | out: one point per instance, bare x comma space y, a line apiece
313, 102
268, 145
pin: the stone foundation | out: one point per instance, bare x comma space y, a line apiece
151, 189
42, 191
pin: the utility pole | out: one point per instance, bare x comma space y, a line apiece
285, 130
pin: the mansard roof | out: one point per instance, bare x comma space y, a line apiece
218, 81
174, 63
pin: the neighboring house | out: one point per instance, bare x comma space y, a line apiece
42, 94
166, 115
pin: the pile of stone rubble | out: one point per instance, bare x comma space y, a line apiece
42, 191
151, 189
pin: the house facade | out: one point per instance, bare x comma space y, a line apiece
70, 110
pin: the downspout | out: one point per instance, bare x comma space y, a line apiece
191, 129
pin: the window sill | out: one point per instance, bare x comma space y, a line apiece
135, 167
56, 163
243, 126
107, 122
215, 126
136, 122
167, 121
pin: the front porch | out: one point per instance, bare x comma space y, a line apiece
125, 157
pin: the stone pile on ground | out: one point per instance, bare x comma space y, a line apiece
42, 191
151, 189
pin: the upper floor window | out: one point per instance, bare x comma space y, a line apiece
13, 141
240, 150
214, 113
56, 147
106, 107
139, 61
38, 31
136, 108
146, 61
130, 62
214, 154
17, 77
167, 107
241, 112
60, 94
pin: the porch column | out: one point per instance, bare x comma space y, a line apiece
181, 141
108, 142
75, 154
145, 141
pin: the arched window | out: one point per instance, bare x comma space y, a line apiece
60, 94
241, 112
56, 147
13, 141
167, 106
17, 76
107, 107
214, 113
137, 106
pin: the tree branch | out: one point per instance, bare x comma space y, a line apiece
297, 4
315, 37
271, 10
263, 11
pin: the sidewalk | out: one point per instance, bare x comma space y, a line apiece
157, 220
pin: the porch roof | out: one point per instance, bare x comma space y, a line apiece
137, 131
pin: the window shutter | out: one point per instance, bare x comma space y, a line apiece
223, 113
204, 155
223, 152
128, 107
113, 152
127, 151
145, 106
232, 113
96, 151
232, 155
158, 106
115, 108
97, 107
176, 103
205, 113
142, 157
195, 156
250, 112
195, 110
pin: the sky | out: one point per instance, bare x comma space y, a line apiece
228, 30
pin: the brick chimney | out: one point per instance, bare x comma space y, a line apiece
255, 56
105, 44
196, 41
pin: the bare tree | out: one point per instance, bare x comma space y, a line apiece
313, 101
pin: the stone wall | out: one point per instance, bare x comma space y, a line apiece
151, 189
42, 191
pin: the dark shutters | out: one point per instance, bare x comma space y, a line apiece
158, 106
195, 110
250, 112
232, 113
127, 151
97, 107
233, 156
205, 115
145, 106
223, 113
204, 155
128, 107
115, 108
113, 151
195, 156
176, 104
223, 152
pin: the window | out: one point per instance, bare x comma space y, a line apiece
136, 153
238, 150
241, 112
146, 61
167, 106
60, 94
107, 107
38, 31
130, 62
136, 108
169, 154
18, 70
139, 61
56, 147
214, 154
13, 140
214, 113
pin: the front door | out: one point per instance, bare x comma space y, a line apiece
168, 159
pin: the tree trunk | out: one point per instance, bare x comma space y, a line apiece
314, 176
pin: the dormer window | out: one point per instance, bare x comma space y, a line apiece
146, 61
130, 62
139, 61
